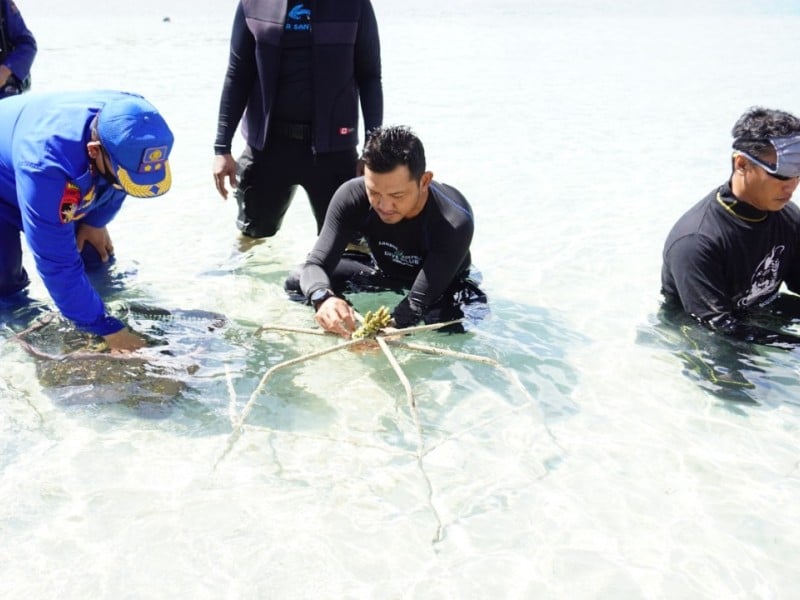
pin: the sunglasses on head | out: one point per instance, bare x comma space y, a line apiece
768, 169
787, 156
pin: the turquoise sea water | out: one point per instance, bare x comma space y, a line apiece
579, 132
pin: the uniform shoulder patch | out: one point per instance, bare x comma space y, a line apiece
70, 201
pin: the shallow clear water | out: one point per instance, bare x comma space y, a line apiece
579, 134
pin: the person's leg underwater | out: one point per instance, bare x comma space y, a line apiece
13, 277
267, 182
353, 274
329, 171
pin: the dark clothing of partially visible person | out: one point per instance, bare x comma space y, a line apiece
269, 178
345, 53
296, 73
13, 276
725, 261
428, 254
17, 49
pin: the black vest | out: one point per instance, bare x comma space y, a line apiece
334, 29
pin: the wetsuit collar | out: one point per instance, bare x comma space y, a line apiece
738, 208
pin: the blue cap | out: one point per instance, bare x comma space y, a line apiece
138, 142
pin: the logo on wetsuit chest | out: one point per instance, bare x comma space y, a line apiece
72, 206
396, 255
298, 18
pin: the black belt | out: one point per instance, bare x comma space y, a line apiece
294, 131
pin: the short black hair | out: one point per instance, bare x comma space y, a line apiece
753, 130
390, 147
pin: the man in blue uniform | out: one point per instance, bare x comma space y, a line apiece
67, 162
296, 72
418, 231
726, 259
17, 50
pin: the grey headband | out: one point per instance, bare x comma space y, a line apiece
787, 156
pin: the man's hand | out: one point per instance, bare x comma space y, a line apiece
97, 237
124, 340
224, 166
336, 316
5, 73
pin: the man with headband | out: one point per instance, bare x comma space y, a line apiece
67, 162
727, 257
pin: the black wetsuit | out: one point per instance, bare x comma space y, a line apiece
724, 261
427, 254
299, 68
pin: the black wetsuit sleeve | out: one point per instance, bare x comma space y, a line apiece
700, 283
239, 80
754, 334
336, 232
368, 68
449, 248
792, 278
699, 279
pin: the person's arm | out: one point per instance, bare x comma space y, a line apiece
341, 223
240, 77
706, 295
106, 207
333, 314
92, 227
52, 243
792, 278
23, 44
368, 68
94, 236
450, 246
754, 334
239, 80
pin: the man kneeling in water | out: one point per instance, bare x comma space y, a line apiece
727, 257
418, 232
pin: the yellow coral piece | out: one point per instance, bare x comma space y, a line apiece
373, 323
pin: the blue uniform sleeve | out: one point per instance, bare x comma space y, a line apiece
23, 44
108, 205
51, 237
